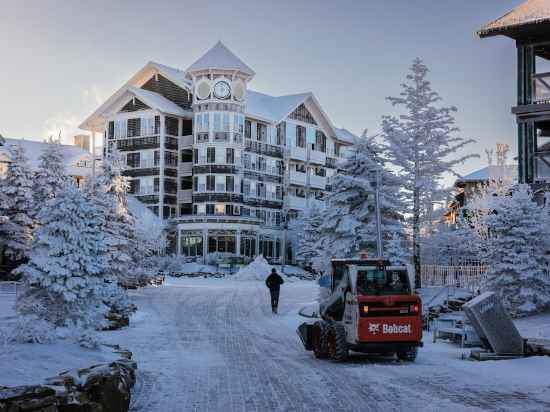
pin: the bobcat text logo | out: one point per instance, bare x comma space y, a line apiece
396, 329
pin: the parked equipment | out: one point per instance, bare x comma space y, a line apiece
370, 308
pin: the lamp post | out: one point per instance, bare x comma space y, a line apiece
375, 178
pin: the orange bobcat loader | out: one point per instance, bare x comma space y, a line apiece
370, 307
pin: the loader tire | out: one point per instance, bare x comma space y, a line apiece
409, 356
337, 345
320, 340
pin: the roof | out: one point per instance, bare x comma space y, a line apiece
33, 149
175, 75
157, 101
220, 57
345, 135
272, 108
531, 12
490, 172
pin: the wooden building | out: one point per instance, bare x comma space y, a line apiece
529, 25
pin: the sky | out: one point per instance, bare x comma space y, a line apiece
62, 59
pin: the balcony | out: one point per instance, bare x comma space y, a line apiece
297, 178
298, 153
185, 196
264, 148
295, 202
186, 141
185, 168
541, 88
317, 157
318, 182
143, 164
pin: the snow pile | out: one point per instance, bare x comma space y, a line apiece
194, 268
258, 269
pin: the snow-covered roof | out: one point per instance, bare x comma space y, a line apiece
175, 75
157, 101
530, 12
33, 149
490, 172
345, 135
220, 57
272, 108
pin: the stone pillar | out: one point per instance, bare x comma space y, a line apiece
178, 241
238, 243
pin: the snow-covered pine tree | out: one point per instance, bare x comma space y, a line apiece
421, 144
349, 221
516, 252
50, 177
17, 189
304, 234
65, 275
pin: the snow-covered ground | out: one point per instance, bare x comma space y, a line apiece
26, 364
213, 344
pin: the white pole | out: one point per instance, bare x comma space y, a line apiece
93, 159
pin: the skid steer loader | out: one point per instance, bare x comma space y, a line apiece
370, 308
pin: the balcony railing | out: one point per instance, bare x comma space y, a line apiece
298, 153
186, 168
541, 88
264, 148
297, 178
143, 164
295, 202
146, 191
186, 141
185, 196
317, 157
318, 182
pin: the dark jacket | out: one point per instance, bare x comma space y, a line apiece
274, 281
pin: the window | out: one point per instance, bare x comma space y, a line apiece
320, 141
217, 122
211, 155
246, 161
186, 209
302, 114
186, 156
211, 183
195, 156
191, 246
382, 282
248, 129
186, 183
261, 134
209, 208
134, 127
248, 246
157, 157
246, 187
300, 136
156, 185
111, 130
195, 183
281, 128
132, 159
170, 159
220, 184
219, 209
134, 186
230, 155
226, 126
219, 243
229, 184
170, 186
171, 126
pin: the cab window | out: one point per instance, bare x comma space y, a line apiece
375, 282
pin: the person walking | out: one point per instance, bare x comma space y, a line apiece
274, 282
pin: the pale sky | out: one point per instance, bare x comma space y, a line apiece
61, 59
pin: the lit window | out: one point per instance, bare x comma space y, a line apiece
220, 209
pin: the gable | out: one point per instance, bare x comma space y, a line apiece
133, 106
302, 114
171, 91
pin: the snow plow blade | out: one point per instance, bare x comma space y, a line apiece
304, 331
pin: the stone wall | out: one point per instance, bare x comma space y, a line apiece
99, 388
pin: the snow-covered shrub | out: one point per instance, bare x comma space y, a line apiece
515, 244
32, 329
219, 257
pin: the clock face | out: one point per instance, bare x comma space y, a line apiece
222, 90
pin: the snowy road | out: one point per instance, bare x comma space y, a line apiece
213, 345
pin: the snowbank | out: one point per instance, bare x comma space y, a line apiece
258, 269
194, 268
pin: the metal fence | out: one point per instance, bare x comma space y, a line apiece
10, 288
466, 277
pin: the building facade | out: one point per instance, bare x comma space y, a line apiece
228, 166
529, 26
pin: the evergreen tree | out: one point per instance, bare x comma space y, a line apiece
50, 177
349, 221
17, 189
420, 143
304, 234
65, 275
517, 241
